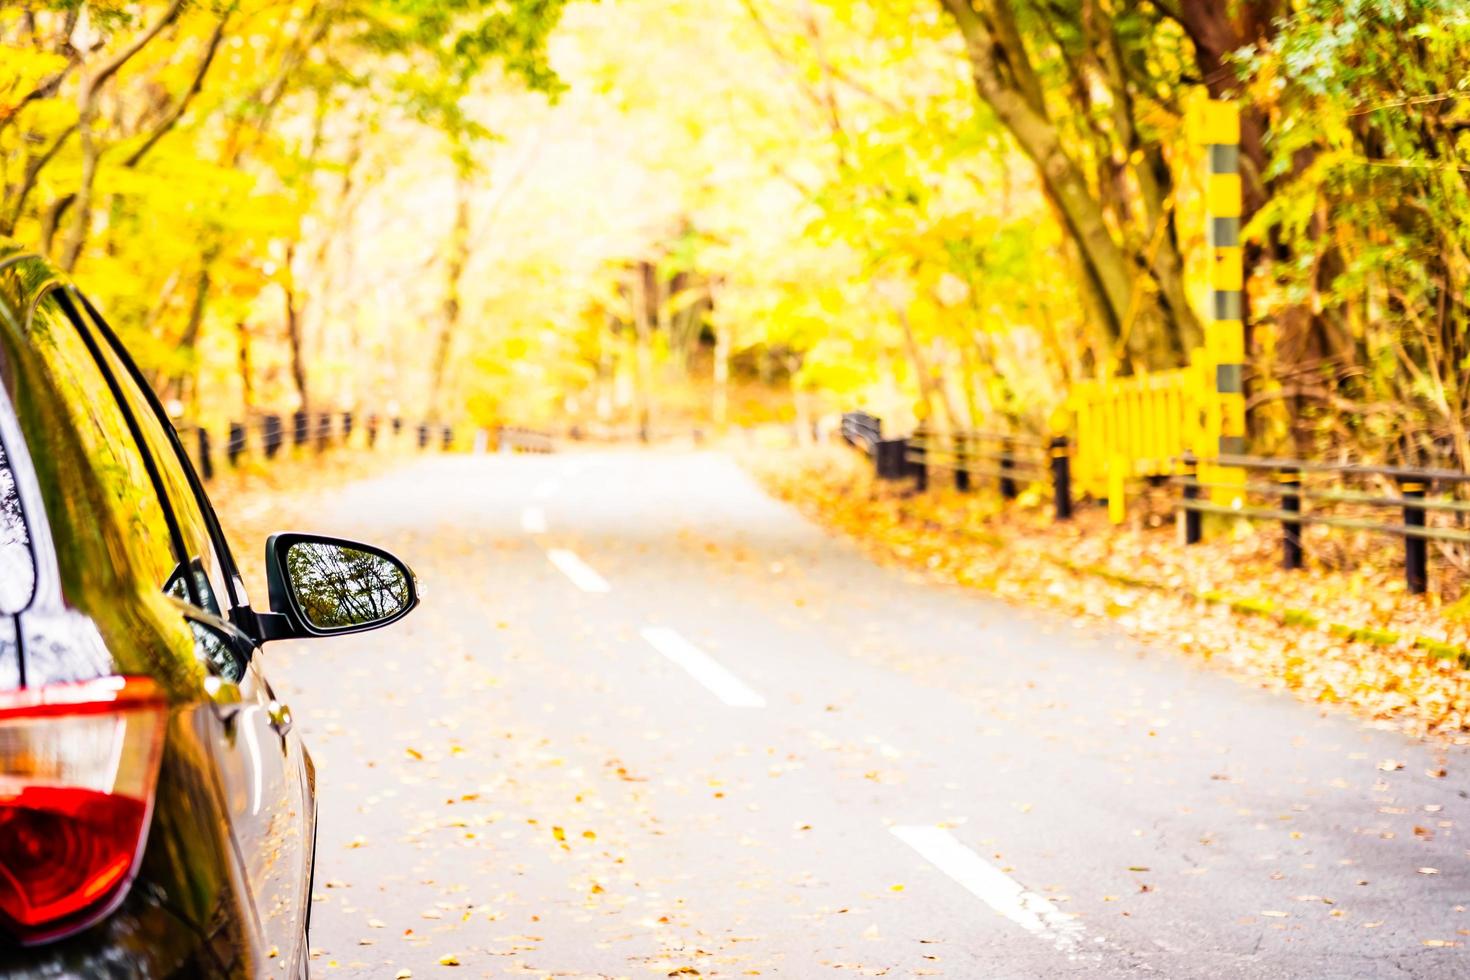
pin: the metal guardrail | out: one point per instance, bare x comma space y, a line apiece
266, 436
1288, 488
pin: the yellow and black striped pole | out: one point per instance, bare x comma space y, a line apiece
1225, 329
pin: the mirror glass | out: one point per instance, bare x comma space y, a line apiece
337, 587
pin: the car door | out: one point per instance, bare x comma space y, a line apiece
257, 753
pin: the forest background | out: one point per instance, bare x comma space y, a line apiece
724, 211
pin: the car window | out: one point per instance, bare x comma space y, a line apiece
116, 464
216, 650
203, 558
17, 566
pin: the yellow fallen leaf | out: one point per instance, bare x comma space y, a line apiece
449, 959
402, 975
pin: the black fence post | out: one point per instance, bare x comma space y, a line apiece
1193, 525
1416, 550
1291, 531
206, 458
299, 426
1061, 477
962, 462
918, 463
237, 442
273, 435
890, 459
323, 430
448, 439
423, 434
1007, 480
372, 431
397, 425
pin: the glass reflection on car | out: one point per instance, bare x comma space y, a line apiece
338, 587
17, 570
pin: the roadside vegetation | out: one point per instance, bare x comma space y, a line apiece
540, 210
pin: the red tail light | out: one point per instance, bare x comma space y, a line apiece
78, 763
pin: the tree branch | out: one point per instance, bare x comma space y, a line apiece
176, 112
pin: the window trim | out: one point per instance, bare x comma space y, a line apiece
231, 571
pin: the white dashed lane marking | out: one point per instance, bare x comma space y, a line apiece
574, 568
992, 886
703, 668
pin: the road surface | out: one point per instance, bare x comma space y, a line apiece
650, 722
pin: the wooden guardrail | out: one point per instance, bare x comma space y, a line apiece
266, 436
1220, 484
1288, 488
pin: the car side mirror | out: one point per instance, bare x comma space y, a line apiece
324, 586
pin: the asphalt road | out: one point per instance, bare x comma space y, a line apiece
649, 722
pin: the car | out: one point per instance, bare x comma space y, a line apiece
157, 805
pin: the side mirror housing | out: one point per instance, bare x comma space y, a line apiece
323, 586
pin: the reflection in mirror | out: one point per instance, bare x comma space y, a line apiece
337, 587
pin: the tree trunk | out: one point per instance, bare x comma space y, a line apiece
459, 253
642, 347
799, 401
293, 330
247, 370
1001, 71
86, 115
720, 406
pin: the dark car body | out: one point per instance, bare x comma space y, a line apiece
130, 577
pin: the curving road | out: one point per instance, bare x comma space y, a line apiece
651, 723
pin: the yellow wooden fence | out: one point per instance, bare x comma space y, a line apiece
1140, 426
